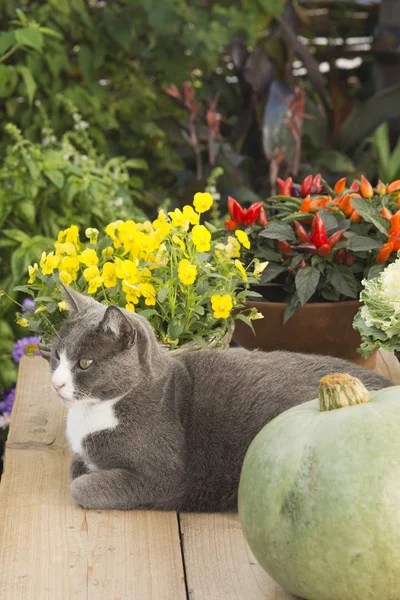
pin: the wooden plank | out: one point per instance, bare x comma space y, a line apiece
38, 416
51, 548
220, 565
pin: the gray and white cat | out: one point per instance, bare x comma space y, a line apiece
157, 431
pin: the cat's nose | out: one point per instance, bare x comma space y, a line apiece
58, 386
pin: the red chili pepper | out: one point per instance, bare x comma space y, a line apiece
262, 218
251, 213
284, 248
230, 225
354, 186
306, 205
324, 250
335, 237
339, 256
306, 185
316, 187
303, 264
285, 186
384, 252
235, 210
349, 258
319, 236
301, 232
292, 271
307, 247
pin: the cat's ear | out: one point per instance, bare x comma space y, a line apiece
116, 323
77, 303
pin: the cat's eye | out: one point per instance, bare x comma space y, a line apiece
84, 363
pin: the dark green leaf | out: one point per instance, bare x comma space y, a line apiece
306, 282
8, 80
278, 231
292, 307
243, 318
371, 214
375, 270
359, 243
32, 165
343, 280
199, 310
330, 294
175, 328
337, 162
162, 294
29, 81
7, 39
16, 234
271, 271
29, 36
329, 220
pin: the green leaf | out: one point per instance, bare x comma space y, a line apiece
329, 220
162, 294
343, 280
175, 328
199, 310
359, 243
32, 165
29, 81
136, 163
292, 307
16, 234
27, 211
368, 212
8, 80
29, 36
337, 162
243, 318
367, 116
148, 312
7, 39
278, 231
271, 271
51, 33
55, 177
306, 282
375, 270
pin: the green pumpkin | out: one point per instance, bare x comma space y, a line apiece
319, 496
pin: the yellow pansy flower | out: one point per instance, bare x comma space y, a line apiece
243, 238
41, 309
89, 257
202, 202
66, 277
178, 242
110, 231
48, 263
161, 219
126, 269
33, 271
201, 238
133, 296
234, 247
107, 252
109, 275
186, 272
69, 264
62, 306
241, 269
221, 305
65, 248
148, 291
23, 322
92, 275
260, 266
127, 231
190, 215
92, 233
130, 307
178, 219
72, 236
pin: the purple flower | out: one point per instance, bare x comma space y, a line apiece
28, 305
8, 400
26, 345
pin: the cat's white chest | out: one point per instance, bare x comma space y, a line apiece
83, 421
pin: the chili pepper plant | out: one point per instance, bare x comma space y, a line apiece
320, 243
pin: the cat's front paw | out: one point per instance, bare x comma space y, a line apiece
87, 493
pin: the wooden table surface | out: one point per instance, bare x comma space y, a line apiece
51, 549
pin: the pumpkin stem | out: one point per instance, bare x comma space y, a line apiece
341, 389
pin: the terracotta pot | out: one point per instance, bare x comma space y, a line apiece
321, 328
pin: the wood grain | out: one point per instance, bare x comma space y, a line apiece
52, 549
219, 563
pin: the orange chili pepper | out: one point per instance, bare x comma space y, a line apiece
340, 185
384, 252
392, 187
366, 188
385, 212
355, 217
381, 188
306, 204
395, 240
345, 204
395, 221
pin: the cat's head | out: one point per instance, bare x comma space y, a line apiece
100, 351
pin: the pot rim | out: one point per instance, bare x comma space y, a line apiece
308, 305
